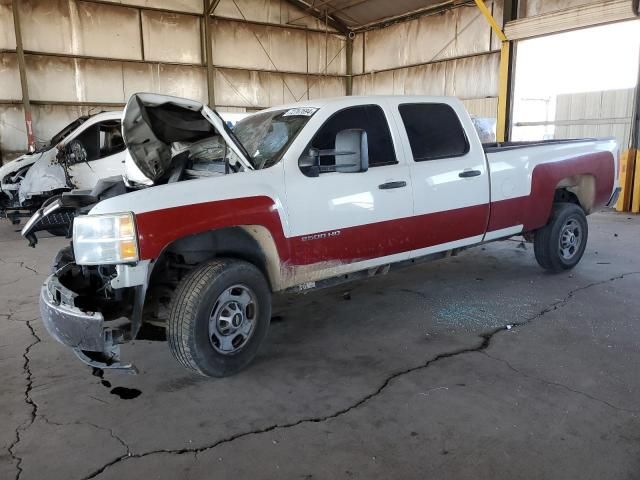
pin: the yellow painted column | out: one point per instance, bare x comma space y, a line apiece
627, 169
503, 87
635, 195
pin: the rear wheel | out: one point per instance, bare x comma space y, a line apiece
219, 317
560, 244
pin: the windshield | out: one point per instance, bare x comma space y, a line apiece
267, 135
62, 134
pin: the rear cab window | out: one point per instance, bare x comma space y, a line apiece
434, 131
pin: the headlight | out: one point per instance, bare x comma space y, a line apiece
105, 239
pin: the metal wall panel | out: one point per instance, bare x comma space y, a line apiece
7, 36
171, 37
538, 7
56, 79
471, 77
263, 89
456, 32
595, 114
80, 28
268, 11
9, 77
13, 136
262, 47
187, 6
482, 107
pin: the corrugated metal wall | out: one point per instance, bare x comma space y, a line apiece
595, 114
451, 53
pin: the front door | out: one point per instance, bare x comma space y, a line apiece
348, 221
105, 154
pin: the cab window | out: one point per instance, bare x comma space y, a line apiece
369, 118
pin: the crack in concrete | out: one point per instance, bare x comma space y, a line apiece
20, 264
27, 398
561, 385
486, 341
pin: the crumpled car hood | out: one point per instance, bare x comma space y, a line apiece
152, 122
45, 175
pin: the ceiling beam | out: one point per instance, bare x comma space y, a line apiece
320, 15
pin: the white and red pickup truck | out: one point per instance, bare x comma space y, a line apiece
293, 198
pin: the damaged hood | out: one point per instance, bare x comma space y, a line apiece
152, 122
44, 176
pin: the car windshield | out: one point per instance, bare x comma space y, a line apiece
266, 136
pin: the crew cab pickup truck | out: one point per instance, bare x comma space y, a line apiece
299, 197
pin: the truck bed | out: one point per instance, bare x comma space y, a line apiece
494, 147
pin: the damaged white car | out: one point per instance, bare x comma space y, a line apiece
175, 141
87, 150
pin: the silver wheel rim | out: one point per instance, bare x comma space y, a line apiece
233, 319
570, 239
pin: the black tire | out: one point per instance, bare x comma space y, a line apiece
196, 298
547, 240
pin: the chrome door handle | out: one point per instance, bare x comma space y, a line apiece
390, 185
469, 173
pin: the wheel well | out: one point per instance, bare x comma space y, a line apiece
183, 255
233, 242
578, 189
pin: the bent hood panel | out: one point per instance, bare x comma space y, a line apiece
45, 175
152, 122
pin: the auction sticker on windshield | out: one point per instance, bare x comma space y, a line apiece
301, 112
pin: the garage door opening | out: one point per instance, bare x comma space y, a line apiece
577, 84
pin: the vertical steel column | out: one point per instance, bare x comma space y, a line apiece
209, 7
504, 93
349, 53
26, 103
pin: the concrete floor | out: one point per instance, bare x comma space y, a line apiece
480, 366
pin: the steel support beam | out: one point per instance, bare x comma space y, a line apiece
504, 86
349, 60
26, 104
320, 15
209, 7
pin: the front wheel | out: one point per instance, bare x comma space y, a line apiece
560, 244
219, 317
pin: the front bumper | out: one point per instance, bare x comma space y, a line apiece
95, 343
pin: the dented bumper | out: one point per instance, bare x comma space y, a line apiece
67, 323
94, 341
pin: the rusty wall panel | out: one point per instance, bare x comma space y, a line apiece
81, 28
9, 77
473, 77
456, 32
268, 11
13, 136
7, 34
482, 107
171, 37
187, 6
538, 7
235, 45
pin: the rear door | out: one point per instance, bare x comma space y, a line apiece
340, 219
449, 173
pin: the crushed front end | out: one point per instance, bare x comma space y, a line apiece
93, 309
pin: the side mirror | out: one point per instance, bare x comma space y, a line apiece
352, 151
310, 163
